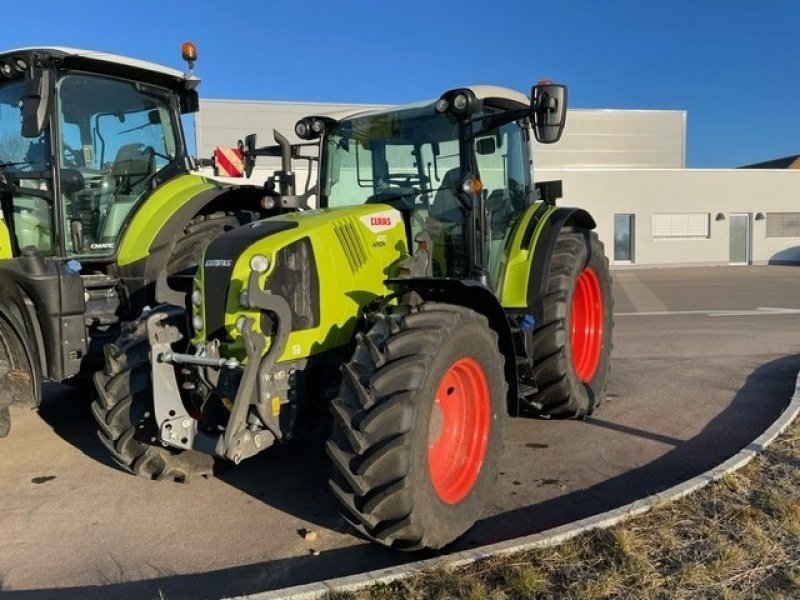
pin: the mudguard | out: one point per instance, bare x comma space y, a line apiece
525, 273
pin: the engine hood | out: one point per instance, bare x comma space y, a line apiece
325, 263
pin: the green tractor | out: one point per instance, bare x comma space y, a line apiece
98, 197
434, 292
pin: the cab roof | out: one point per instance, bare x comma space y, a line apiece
101, 62
501, 97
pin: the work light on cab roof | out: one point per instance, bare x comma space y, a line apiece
460, 102
310, 128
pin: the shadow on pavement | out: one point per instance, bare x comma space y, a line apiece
302, 471
744, 419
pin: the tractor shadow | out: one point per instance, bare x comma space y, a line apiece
293, 479
68, 411
755, 406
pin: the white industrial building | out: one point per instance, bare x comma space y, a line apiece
626, 167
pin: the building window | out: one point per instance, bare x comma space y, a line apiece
781, 225
623, 237
681, 225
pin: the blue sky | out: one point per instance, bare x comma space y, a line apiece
734, 65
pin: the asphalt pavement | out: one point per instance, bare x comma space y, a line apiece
704, 360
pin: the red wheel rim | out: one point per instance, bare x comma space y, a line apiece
586, 339
459, 430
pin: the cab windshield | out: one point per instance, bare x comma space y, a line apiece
115, 137
410, 159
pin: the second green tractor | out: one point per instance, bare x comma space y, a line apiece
434, 292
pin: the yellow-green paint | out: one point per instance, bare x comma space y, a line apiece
373, 232
6, 251
157, 209
517, 261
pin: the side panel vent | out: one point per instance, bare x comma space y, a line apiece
352, 243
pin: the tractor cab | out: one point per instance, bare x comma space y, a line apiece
84, 138
458, 169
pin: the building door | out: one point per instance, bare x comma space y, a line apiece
623, 238
740, 239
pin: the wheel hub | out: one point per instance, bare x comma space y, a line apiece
587, 314
458, 434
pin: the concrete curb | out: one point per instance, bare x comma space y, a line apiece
550, 537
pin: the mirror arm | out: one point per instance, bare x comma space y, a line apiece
491, 122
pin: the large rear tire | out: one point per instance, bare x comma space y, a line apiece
16, 376
572, 345
197, 234
418, 427
124, 412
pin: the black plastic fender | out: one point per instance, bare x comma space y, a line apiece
473, 295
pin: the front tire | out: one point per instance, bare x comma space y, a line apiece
198, 233
572, 345
418, 427
124, 412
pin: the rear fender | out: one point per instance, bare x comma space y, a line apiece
473, 295
526, 277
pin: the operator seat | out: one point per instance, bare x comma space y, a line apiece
133, 168
445, 206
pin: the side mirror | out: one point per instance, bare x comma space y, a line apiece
548, 111
36, 103
190, 102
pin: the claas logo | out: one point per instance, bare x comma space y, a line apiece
381, 221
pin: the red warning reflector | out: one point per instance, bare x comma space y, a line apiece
228, 162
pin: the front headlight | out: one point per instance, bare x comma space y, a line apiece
259, 263
197, 298
197, 323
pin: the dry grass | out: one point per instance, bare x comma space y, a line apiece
736, 539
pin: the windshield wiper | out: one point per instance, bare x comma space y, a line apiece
21, 163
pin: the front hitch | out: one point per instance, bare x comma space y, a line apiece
179, 429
